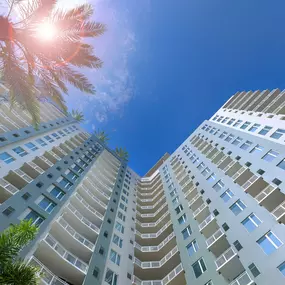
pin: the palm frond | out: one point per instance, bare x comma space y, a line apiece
102, 135
122, 153
77, 115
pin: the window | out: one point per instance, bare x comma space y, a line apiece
237, 207
237, 245
201, 165
49, 139
34, 216
41, 142
182, 219
175, 201
56, 192
209, 283
269, 243
62, 133
117, 241
173, 193
281, 268
64, 183
278, 134
212, 177
179, 209
225, 227
265, 130
192, 247
7, 158
258, 148
123, 207
251, 222
237, 141
31, 146
129, 276
8, 211
111, 278
229, 138
271, 155
282, 164
227, 195
237, 123
245, 125
254, 128
206, 171
46, 204
101, 250
124, 199
230, 121
246, 145
55, 135
254, 270
130, 257
219, 185
26, 196
186, 232
199, 267
96, 272
77, 168
121, 216
20, 151
119, 227
222, 135
71, 175
115, 257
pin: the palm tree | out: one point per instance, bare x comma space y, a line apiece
77, 115
40, 53
12, 269
102, 135
122, 153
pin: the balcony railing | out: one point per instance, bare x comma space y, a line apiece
225, 257
154, 235
194, 199
94, 197
199, 210
97, 189
23, 175
48, 162
153, 224
229, 166
238, 173
265, 193
46, 276
151, 215
37, 168
8, 186
207, 221
249, 182
69, 257
279, 211
243, 279
75, 234
213, 238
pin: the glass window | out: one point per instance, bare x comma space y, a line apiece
175, 201
20, 151
35, 217
237, 141
271, 155
237, 207
254, 128
251, 222
119, 227
186, 232
282, 164
230, 121
182, 219
117, 241
265, 130
31, 146
245, 125
281, 268
173, 193
237, 123
225, 119
111, 278
269, 243
55, 135
46, 204
64, 183
278, 134
229, 138
222, 135
192, 247
41, 142
246, 145
199, 267
201, 165
124, 199
206, 171
123, 207
212, 177
7, 158
121, 216
57, 193
62, 133
258, 148
219, 185
49, 139
179, 209
227, 195
115, 257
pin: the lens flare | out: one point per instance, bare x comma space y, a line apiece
46, 31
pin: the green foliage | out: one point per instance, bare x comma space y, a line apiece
77, 115
122, 153
30, 67
102, 135
13, 271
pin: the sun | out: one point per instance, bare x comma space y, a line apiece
46, 31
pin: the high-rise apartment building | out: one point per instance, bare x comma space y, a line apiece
211, 213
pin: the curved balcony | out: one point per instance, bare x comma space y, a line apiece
95, 190
152, 217
142, 194
60, 261
99, 182
153, 206
157, 269
153, 199
155, 226
46, 276
80, 223
72, 240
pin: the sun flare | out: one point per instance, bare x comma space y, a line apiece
46, 31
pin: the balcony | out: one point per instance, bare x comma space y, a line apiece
243, 279
229, 265
252, 183
60, 261
270, 197
6, 190
43, 162
279, 213
195, 202
18, 178
32, 169
72, 240
218, 157
46, 276
211, 154
217, 243
201, 213
51, 156
96, 191
237, 175
208, 226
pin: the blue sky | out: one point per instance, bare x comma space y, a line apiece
170, 64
